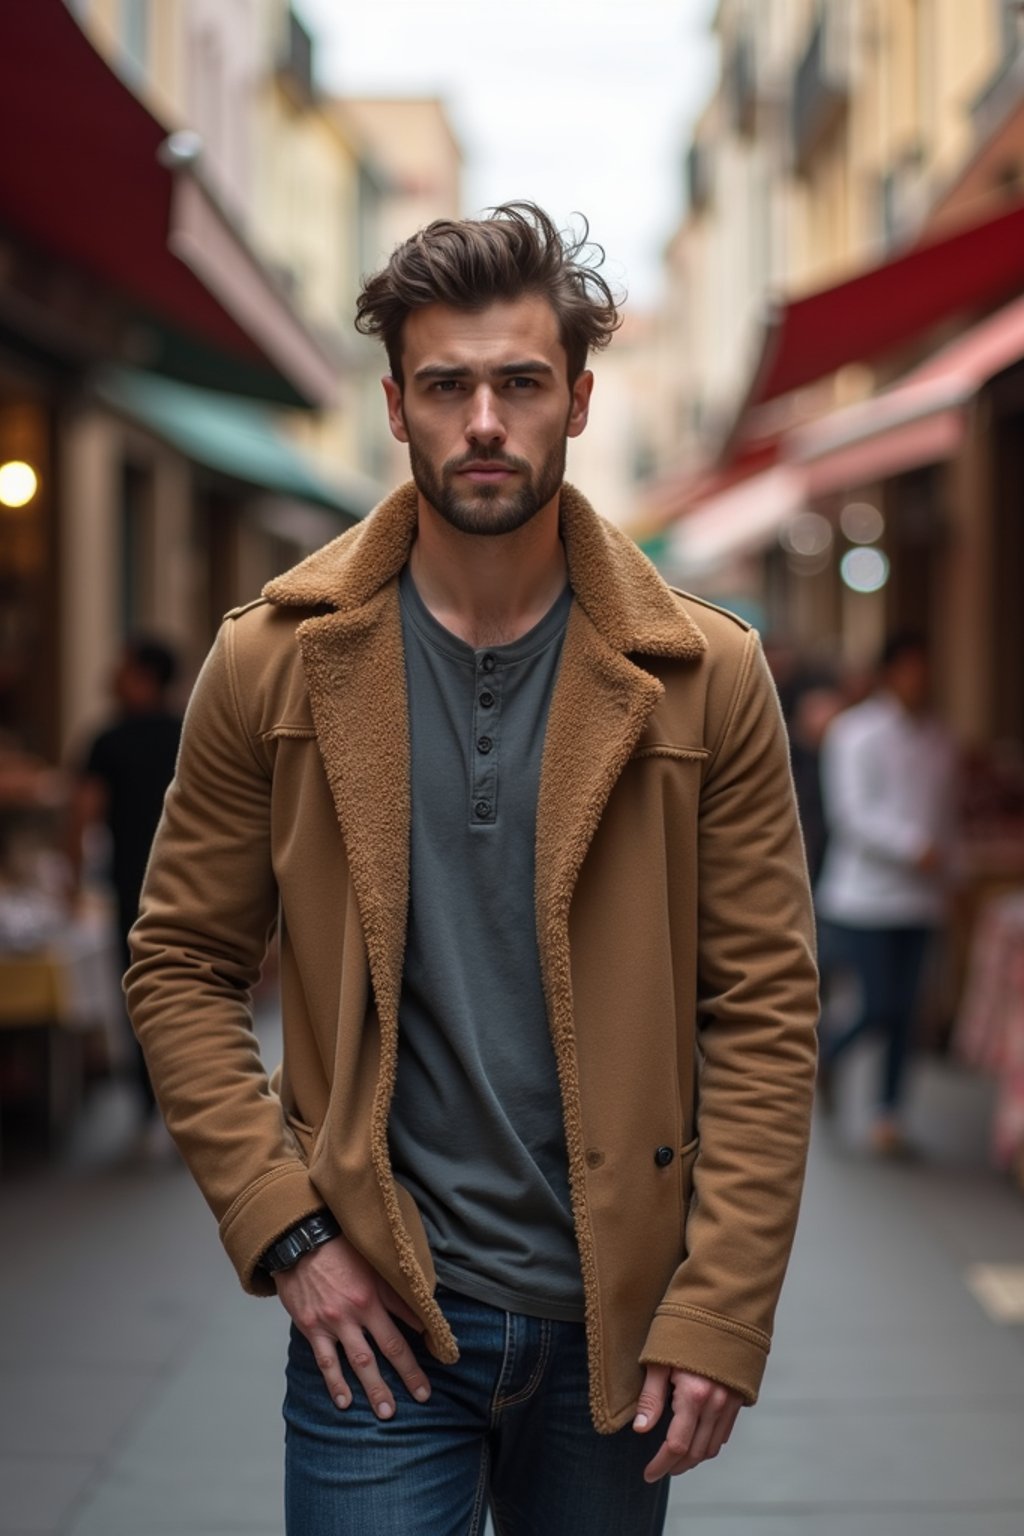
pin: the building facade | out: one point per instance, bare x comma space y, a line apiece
851, 185
181, 243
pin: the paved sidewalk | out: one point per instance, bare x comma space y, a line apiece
140, 1391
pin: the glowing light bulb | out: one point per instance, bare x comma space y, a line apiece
18, 483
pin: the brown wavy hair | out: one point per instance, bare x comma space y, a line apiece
516, 251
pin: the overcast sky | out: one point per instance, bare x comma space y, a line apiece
578, 104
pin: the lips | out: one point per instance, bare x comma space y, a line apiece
487, 471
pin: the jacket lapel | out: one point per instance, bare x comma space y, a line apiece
601, 704
355, 674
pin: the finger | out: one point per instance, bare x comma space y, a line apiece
325, 1353
700, 1440
399, 1308
664, 1462
394, 1346
651, 1403
674, 1455
724, 1429
360, 1356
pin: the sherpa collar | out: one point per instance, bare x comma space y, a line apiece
614, 583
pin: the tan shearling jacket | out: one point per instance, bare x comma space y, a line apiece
673, 918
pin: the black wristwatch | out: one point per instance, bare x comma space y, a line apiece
302, 1238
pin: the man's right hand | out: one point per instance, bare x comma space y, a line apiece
334, 1297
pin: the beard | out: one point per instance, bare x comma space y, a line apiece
488, 509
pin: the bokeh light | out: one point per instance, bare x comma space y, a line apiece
810, 535
861, 522
18, 483
864, 569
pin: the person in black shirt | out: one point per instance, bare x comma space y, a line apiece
122, 782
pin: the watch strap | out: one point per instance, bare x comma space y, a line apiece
309, 1233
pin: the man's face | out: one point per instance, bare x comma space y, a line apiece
486, 409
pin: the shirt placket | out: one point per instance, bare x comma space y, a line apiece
484, 744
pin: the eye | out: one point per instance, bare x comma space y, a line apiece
445, 386
522, 381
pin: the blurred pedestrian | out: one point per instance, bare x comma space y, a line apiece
121, 784
528, 821
814, 709
888, 769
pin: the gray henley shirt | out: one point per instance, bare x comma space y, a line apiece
476, 1128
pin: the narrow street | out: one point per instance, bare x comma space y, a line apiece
140, 1391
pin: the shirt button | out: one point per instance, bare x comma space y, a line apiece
486, 699
482, 808
663, 1156
488, 662
484, 744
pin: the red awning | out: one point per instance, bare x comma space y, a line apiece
920, 420
887, 306
81, 182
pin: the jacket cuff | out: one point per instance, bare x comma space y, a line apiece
272, 1205
723, 1351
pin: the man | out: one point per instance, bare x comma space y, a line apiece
525, 820
888, 773
122, 784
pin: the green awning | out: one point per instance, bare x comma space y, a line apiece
238, 438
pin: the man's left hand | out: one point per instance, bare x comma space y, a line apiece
703, 1414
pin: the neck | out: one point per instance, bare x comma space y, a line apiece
488, 589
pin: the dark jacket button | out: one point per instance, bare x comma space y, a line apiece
663, 1156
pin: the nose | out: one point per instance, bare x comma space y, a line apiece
484, 423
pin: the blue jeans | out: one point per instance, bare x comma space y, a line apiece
507, 1428
888, 964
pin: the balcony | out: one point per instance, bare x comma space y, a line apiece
820, 91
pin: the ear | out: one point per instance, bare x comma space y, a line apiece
396, 415
579, 410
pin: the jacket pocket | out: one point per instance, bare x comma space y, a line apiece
668, 749
285, 732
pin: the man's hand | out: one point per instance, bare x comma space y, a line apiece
334, 1297
703, 1414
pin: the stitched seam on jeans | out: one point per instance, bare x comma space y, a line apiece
479, 1499
525, 1393
504, 1374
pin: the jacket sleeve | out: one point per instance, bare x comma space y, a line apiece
757, 1017
208, 909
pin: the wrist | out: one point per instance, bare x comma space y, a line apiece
305, 1236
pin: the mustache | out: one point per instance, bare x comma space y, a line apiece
506, 461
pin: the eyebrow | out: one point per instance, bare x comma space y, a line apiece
460, 371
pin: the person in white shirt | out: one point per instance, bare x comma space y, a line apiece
888, 775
